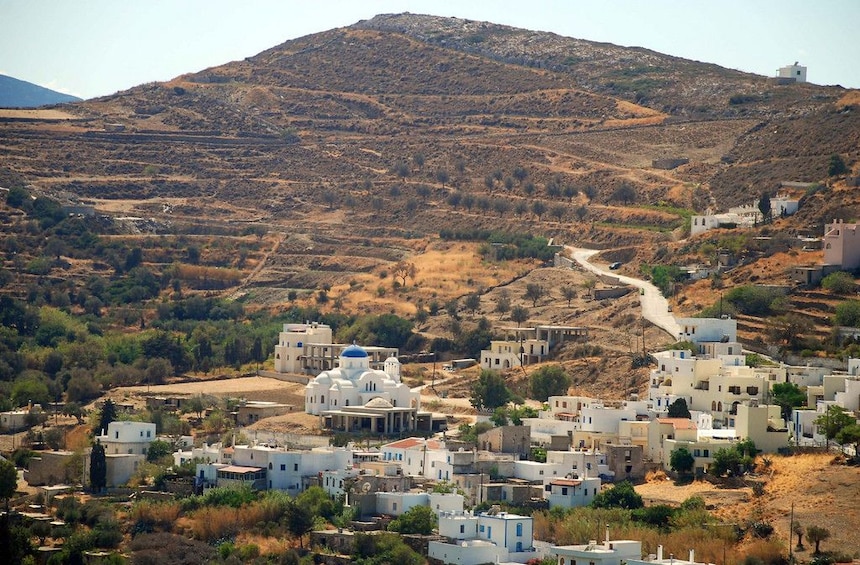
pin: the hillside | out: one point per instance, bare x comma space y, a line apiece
15, 93
321, 163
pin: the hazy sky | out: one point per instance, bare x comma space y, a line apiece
96, 47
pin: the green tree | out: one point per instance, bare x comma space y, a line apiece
383, 549
682, 461
836, 166
8, 481
107, 415
299, 520
74, 409
17, 196
490, 391
534, 292
549, 380
569, 293
538, 209
789, 328
726, 460
318, 502
625, 193
257, 351
787, 396
195, 404
678, 409
850, 434
442, 177
98, 468
417, 520
817, 534
519, 314
620, 495
833, 421
848, 313
503, 304
158, 450
30, 389
798, 530
764, 206
472, 302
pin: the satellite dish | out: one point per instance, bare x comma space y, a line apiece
365, 488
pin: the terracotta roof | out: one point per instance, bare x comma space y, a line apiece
679, 423
566, 482
239, 469
411, 442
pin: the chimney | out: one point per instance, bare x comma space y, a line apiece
659, 553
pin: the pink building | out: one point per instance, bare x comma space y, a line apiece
842, 245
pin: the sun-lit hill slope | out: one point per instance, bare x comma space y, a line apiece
441, 122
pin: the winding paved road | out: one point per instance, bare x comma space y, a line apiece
655, 308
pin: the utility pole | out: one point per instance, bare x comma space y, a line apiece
791, 536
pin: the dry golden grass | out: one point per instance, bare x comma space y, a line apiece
160, 515
211, 523
36, 114
851, 98
443, 271
821, 488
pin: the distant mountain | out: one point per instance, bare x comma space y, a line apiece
16, 93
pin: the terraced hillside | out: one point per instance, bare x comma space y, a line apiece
353, 148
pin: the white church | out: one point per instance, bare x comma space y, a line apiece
353, 397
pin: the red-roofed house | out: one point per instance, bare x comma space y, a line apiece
420, 457
569, 493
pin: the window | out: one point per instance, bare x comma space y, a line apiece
148, 433
481, 529
564, 491
116, 435
394, 506
462, 529
270, 465
295, 466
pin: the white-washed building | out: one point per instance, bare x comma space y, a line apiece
490, 537
354, 397
616, 552
570, 493
130, 438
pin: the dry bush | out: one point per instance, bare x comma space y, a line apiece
658, 475
208, 524
771, 552
156, 515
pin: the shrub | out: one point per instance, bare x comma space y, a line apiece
148, 516
848, 313
839, 282
753, 300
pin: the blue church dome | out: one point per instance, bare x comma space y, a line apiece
354, 351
